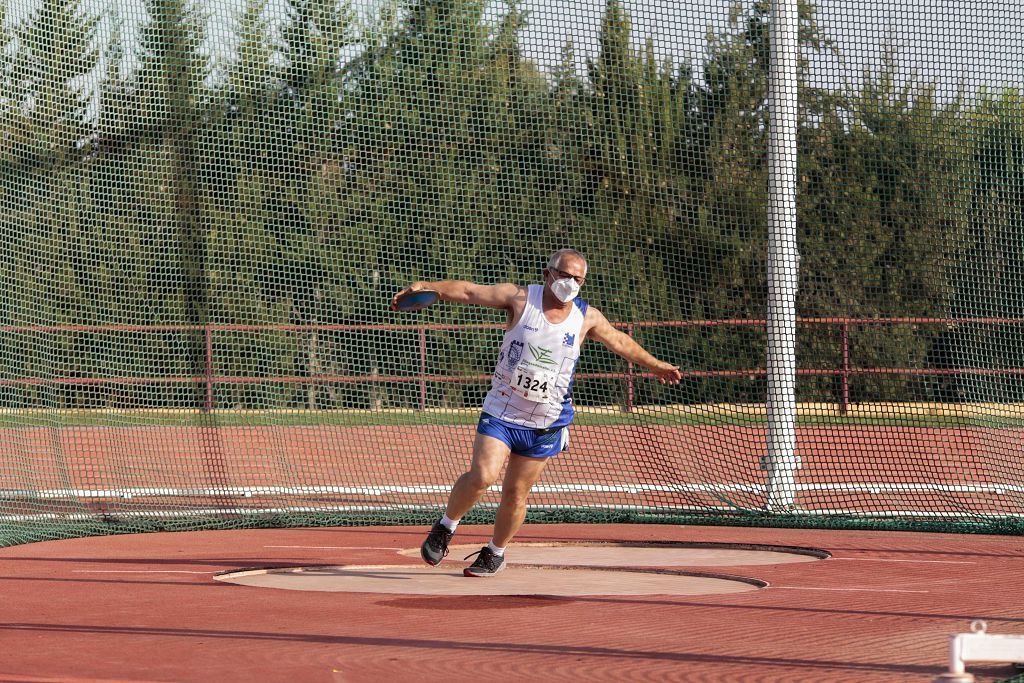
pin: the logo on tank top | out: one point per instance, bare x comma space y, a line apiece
541, 356
515, 352
569, 339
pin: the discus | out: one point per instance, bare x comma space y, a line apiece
412, 301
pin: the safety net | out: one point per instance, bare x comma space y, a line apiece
206, 207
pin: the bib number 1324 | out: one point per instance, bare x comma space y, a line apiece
530, 387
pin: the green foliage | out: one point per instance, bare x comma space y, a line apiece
989, 276
324, 163
883, 176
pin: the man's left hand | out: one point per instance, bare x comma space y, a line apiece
667, 374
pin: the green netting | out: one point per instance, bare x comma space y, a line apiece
205, 208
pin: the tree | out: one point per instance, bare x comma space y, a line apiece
55, 55
46, 107
988, 275
880, 219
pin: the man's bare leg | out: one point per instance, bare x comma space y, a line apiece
521, 475
489, 455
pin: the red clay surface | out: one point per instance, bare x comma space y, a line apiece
840, 465
146, 608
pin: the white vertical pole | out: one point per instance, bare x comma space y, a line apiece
781, 462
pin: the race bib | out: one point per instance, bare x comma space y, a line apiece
532, 384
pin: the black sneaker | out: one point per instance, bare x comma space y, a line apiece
486, 564
435, 548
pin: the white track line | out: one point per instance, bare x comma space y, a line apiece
577, 487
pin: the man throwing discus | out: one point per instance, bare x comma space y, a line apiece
527, 412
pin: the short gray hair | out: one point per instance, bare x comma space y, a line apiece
556, 259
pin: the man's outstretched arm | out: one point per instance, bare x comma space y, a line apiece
622, 344
463, 292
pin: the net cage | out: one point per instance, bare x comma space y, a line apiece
815, 210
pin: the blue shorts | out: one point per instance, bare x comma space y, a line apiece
532, 443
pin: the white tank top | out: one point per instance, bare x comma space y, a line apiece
532, 381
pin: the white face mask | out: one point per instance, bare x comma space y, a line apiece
565, 290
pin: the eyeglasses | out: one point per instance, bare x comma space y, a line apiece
580, 279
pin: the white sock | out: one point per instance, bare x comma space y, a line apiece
500, 552
451, 524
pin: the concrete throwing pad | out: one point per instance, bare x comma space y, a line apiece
515, 580
643, 555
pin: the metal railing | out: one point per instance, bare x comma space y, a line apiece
844, 372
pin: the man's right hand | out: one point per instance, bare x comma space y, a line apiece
414, 287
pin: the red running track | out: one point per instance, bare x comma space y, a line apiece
146, 608
868, 469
